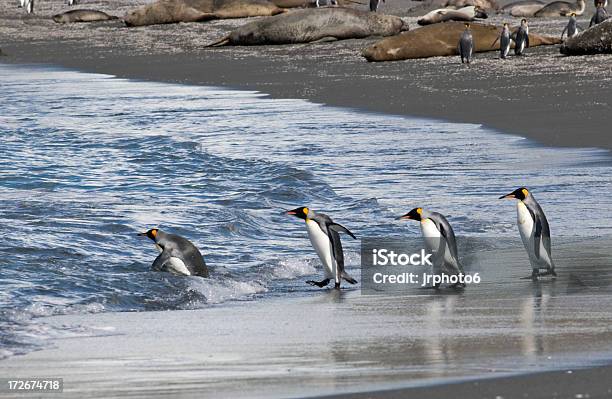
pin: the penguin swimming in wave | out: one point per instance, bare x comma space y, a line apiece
178, 254
439, 240
534, 231
324, 236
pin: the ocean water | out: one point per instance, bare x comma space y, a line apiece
90, 160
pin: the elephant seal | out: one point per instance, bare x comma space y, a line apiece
468, 13
174, 11
82, 16
595, 40
310, 25
561, 9
482, 4
524, 8
441, 40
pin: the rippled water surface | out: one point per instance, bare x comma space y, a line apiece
89, 160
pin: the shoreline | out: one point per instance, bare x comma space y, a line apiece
266, 358
554, 100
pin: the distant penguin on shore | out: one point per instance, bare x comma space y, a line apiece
439, 240
535, 232
571, 28
324, 236
178, 255
600, 14
72, 2
466, 45
504, 42
521, 39
374, 5
29, 6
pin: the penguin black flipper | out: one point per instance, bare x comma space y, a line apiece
160, 261
340, 229
537, 237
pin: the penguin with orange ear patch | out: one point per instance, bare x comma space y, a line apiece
535, 232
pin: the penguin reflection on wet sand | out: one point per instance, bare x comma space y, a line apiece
324, 236
535, 232
521, 38
178, 255
466, 45
440, 240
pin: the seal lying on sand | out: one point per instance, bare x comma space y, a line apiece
173, 11
310, 25
468, 13
482, 4
561, 9
441, 40
82, 16
595, 40
524, 8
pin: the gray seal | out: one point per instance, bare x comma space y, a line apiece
178, 255
534, 231
561, 9
311, 25
469, 13
595, 40
82, 16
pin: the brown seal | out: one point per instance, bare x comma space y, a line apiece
441, 40
174, 11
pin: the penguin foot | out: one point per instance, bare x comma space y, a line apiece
320, 284
337, 286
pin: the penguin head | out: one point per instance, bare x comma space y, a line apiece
415, 214
152, 234
467, 25
520, 194
301, 212
523, 21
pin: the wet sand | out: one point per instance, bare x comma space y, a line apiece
545, 96
330, 342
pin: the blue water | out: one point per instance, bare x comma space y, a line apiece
90, 160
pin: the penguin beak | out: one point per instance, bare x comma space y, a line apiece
404, 217
141, 234
290, 213
507, 196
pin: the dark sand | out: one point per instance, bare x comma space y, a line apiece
545, 96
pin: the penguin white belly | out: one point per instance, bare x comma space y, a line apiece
322, 245
525, 226
432, 237
177, 266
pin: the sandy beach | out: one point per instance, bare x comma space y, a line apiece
532, 96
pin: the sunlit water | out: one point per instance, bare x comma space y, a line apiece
89, 160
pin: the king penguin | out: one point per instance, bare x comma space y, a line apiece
374, 4
600, 14
504, 42
324, 236
535, 232
572, 27
439, 240
521, 38
466, 45
178, 255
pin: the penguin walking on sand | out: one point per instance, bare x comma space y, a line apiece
571, 28
504, 42
439, 240
600, 14
374, 5
466, 45
72, 2
535, 232
324, 236
521, 39
178, 254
